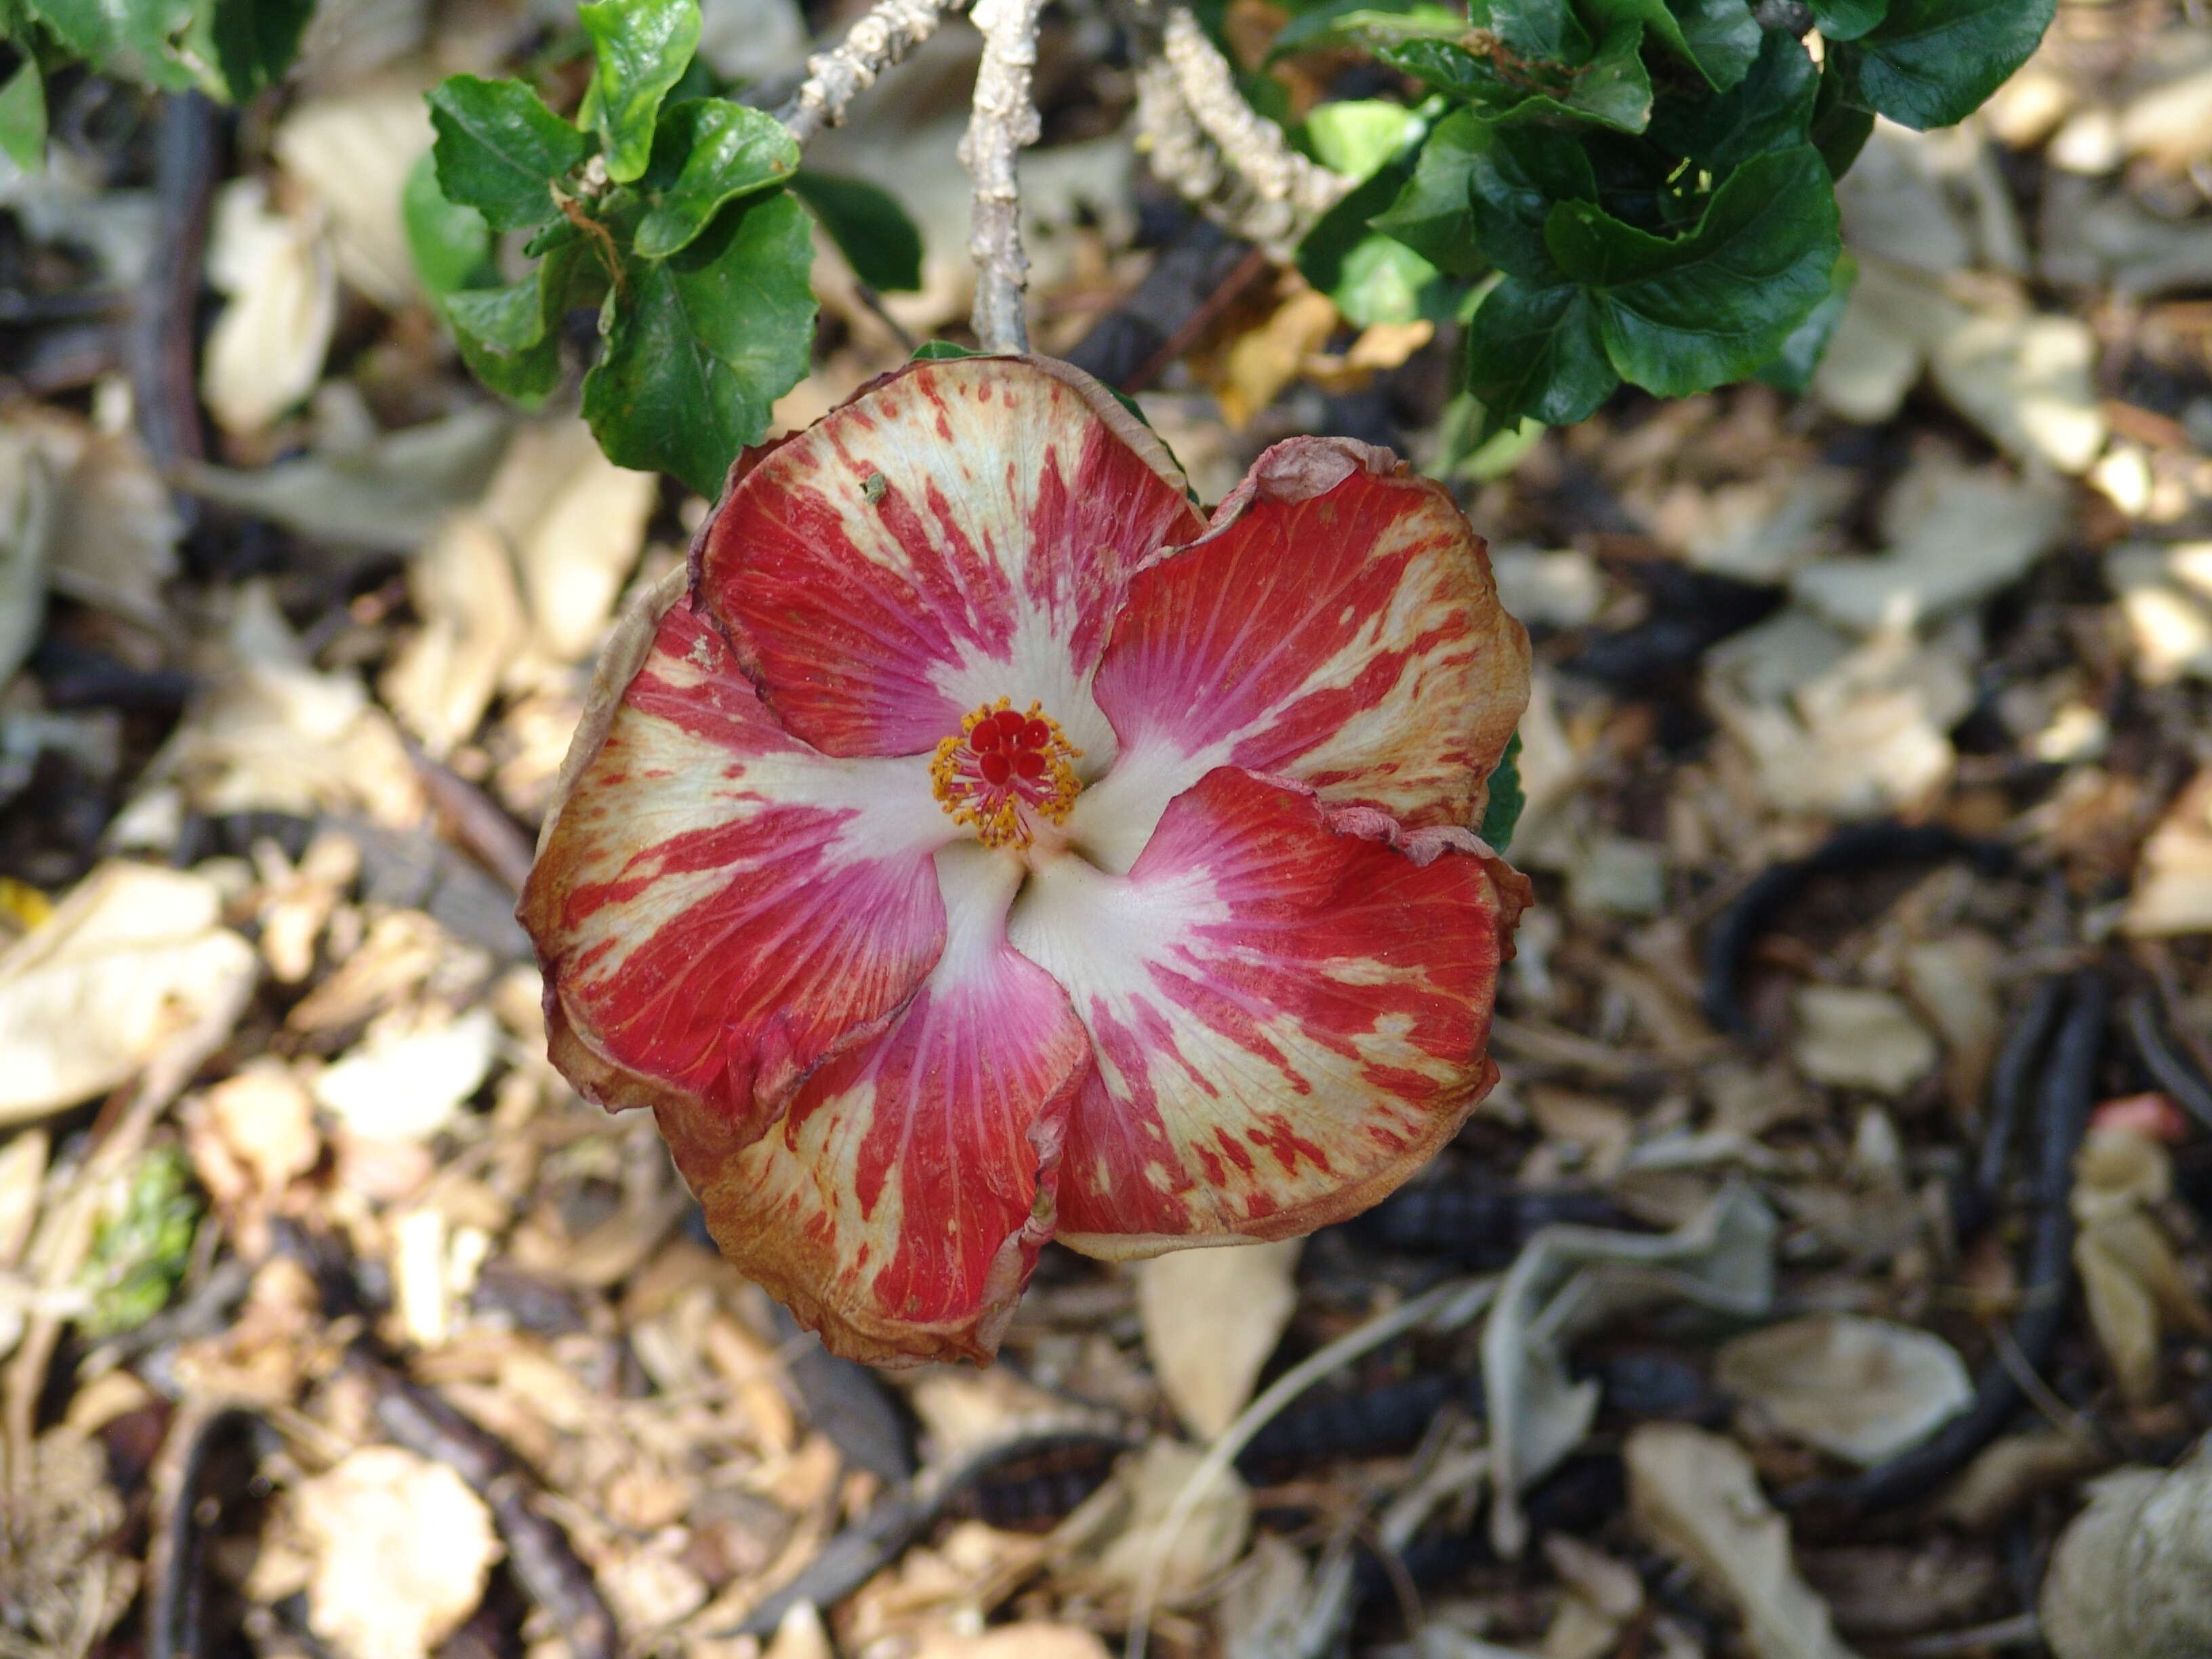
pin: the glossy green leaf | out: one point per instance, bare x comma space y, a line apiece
1357, 137
1345, 20
1681, 314
508, 319
510, 336
1321, 254
1847, 19
717, 152
1932, 62
1610, 87
1791, 369
644, 46
1536, 351
871, 230
500, 150
1431, 215
1516, 176
23, 116
133, 38
1507, 798
1382, 281
1719, 39
1769, 109
451, 244
255, 40
699, 347
1841, 121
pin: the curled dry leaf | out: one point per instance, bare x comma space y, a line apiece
402, 1548
2128, 1576
410, 1075
1859, 1038
444, 678
132, 956
1116, 1541
1696, 1495
575, 523
352, 150
1953, 981
2174, 885
26, 532
2166, 594
2130, 1271
1568, 1280
265, 352
1863, 1389
113, 530
1211, 1319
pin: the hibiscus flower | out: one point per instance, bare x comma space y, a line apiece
982, 848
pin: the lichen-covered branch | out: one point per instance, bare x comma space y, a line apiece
891, 29
1185, 159
1276, 192
1004, 119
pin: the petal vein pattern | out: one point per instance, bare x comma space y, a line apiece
964, 532
899, 1206
1288, 1019
718, 908
1338, 625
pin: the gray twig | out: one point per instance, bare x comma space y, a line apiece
1004, 119
891, 29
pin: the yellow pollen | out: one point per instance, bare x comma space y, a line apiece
1004, 773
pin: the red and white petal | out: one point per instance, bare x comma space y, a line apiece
899, 1206
1337, 625
1289, 1014
961, 531
716, 906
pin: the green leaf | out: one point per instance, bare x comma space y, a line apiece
141, 1244
936, 351
644, 46
23, 116
507, 318
1382, 281
1769, 109
1516, 175
1681, 314
255, 41
1841, 122
1431, 215
1357, 137
1932, 62
509, 336
1536, 351
1791, 369
1342, 19
717, 151
882, 245
1507, 798
1610, 87
1717, 38
700, 346
1847, 19
500, 150
451, 245
133, 38
1322, 253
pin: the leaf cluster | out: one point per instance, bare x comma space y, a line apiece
681, 215
1644, 189
227, 49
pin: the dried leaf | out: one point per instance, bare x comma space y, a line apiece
1863, 1389
575, 522
1116, 1540
1568, 1280
26, 532
2166, 594
1953, 981
2129, 1273
134, 955
265, 352
2128, 1575
1696, 1496
406, 1080
1211, 1319
353, 150
443, 678
402, 1551
1856, 1037
2173, 886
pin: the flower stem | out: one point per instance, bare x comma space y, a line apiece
1004, 119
